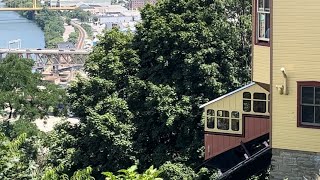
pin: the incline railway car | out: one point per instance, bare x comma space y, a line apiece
236, 123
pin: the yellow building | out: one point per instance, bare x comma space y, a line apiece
286, 64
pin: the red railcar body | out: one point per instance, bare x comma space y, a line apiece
254, 127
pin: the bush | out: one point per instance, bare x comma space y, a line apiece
176, 171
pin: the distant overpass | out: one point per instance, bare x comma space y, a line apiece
50, 57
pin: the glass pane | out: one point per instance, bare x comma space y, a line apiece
210, 112
317, 98
317, 115
260, 4
259, 106
261, 96
307, 113
223, 123
234, 114
246, 105
235, 124
266, 5
247, 95
262, 25
210, 122
267, 25
307, 95
221, 113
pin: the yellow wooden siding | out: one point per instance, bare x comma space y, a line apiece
296, 47
261, 64
234, 103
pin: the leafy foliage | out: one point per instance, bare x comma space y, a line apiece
177, 171
73, 37
20, 92
139, 103
148, 86
52, 174
131, 174
14, 162
52, 25
87, 28
83, 16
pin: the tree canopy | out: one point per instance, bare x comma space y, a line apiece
144, 89
139, 104
23, 92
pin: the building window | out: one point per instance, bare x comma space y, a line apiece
263, 20
210, 118
309, 103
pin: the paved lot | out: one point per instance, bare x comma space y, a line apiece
51, 122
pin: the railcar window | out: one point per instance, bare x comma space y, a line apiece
235, 122
210, 118
246, 95
268, 103
259, 102
223, 120
246, 102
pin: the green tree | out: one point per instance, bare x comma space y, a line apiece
104, 136
177, 171
131, 174
87, 28
14, 162
68, 20
141, 99
22, 91
197, 49
83, 16
52, 24
95, 19
73, 37
17, 84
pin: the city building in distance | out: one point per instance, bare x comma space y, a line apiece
137, 4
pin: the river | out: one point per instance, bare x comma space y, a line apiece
13, 26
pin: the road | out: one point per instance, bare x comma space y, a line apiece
42, 51
82, 35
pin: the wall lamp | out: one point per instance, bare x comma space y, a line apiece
282, 89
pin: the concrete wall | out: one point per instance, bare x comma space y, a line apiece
294, 165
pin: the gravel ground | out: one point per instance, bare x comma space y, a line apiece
68, 29
51, 122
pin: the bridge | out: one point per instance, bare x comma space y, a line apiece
60, 59
13, 6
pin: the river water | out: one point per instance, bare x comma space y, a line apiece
13, 26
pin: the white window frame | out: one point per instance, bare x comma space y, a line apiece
215, 117
262, 11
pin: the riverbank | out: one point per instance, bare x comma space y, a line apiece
13, 26
50, 22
